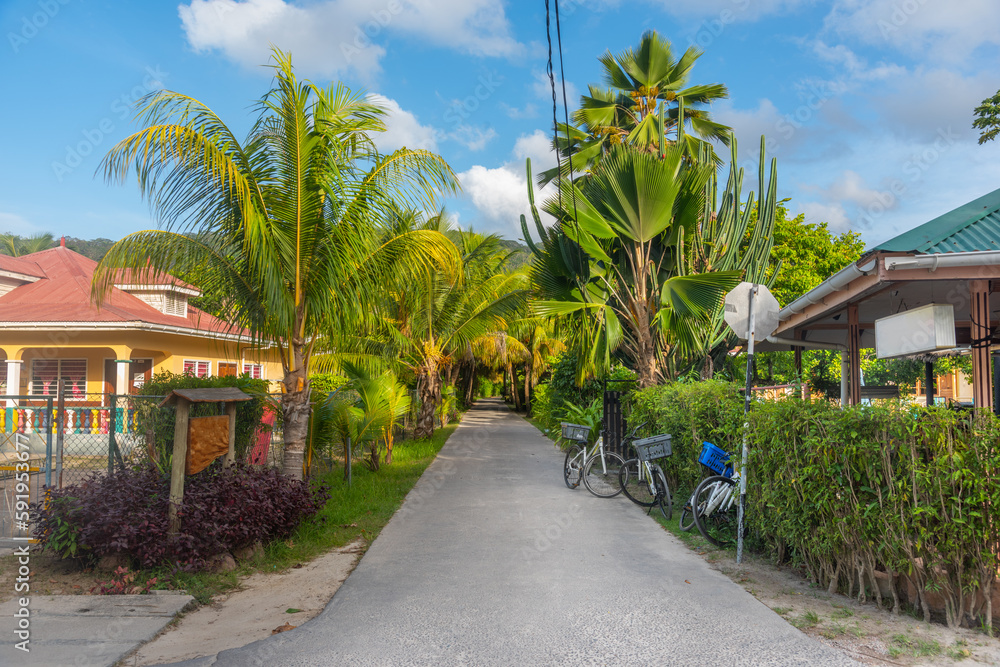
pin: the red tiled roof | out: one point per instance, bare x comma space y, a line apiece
63, 295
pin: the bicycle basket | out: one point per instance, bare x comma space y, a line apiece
655, 447
575, 432
715, 459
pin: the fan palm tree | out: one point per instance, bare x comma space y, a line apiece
621, 256
648, 105
288, 224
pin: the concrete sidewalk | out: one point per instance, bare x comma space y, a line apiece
493, 561
85, 630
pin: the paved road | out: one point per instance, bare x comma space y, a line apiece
493, 561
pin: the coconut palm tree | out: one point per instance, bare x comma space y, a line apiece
289, 223
15, 246
647, 104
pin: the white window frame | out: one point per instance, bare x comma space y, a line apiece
248, 368
72, 393
208, 366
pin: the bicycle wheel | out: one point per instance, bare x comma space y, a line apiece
663, 493
634, 486
687, 515
573, 467
601, 478
715, 509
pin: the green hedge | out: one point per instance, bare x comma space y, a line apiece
857, 495
891, 489
692, 413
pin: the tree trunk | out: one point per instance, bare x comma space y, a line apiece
429, 385
513, 388
472, 382
295, 409
527, 388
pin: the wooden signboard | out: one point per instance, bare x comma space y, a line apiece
209, 438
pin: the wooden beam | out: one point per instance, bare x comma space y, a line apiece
979, 312
854, 355
177, 467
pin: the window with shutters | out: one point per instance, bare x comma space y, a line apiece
256, 371
227, 369
175, 304
197, 368
45, 374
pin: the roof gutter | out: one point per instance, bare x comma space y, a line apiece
944, 260
835, 283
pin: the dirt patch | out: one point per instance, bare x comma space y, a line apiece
50, 575
864, 632
263, 603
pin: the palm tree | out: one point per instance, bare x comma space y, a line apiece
648, 104
288, 224
617, 254
16, 246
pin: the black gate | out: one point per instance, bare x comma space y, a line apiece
614, 420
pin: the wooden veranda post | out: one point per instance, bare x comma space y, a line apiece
853, 355
979, 313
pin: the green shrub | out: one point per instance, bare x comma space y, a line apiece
551, 398
691, 412
322, 384
903, 489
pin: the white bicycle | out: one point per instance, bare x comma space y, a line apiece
714, 505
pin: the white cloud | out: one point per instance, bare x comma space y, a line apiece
333, 36
923, 102
472, 137
944, 30
725, 11
851, 187
537, 146
402, 128
500, 194
834, 214
11, 223
527, 111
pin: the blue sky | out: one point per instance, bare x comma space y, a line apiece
867, 104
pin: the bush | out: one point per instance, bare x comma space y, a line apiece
160, 421
892, 489
691, 412
550, 399
126, 512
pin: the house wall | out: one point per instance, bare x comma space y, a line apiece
168, 352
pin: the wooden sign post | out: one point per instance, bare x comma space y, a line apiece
200, 435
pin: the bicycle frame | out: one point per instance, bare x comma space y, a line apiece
722, 497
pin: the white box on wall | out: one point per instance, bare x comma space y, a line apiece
924, 329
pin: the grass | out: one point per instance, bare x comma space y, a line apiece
356, 512
901, 644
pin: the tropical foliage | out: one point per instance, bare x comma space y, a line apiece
988, 118
647, 104
289, 224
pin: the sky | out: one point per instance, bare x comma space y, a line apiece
866, 104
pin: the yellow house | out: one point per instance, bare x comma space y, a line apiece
50, 329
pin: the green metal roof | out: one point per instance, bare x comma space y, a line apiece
971, 227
